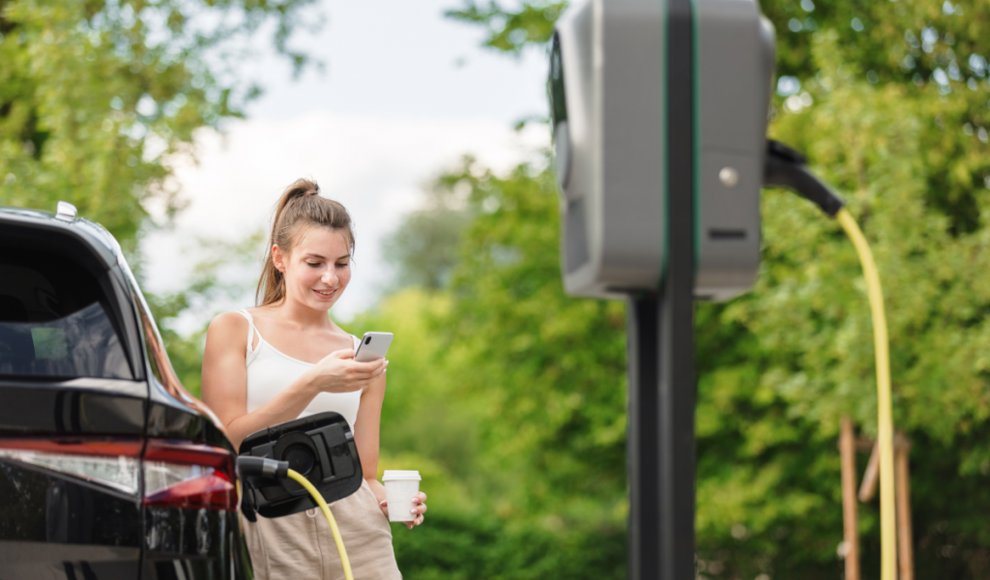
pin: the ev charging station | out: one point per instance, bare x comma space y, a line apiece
659, 114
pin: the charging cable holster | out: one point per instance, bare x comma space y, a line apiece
320, 447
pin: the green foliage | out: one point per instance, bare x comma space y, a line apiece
518, 393
550, 412
515, 424
512, 30
211, 283
474, 546
508, 395
423, 250
892, 110
95, 95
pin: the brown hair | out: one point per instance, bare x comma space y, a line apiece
299, 208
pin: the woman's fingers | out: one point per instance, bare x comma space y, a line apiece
419, 503
367, 370
415, 522
338, 372
419, 508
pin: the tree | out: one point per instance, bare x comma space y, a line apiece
541, 375
423, 250
509, 397
911, 43
95, 95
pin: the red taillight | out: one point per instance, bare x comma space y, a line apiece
178, 474
128, 447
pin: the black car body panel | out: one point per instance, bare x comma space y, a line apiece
59, 525
74, 406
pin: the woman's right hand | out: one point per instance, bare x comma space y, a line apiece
338, 372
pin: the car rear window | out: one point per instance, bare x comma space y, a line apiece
54, 319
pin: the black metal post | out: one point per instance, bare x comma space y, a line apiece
660, 446
643, 441
678, 389
662, 387
660, 442
678, 392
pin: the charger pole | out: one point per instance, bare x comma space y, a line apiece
662, 387
660, 446
660, 442
662, 395
643, 441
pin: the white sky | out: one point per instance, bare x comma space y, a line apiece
406, 93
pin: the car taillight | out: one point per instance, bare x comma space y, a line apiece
176, 474
179, 474
113, 463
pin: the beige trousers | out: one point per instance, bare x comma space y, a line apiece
301, 546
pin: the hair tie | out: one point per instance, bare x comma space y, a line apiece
301, 193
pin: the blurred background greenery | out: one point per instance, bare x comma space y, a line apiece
508, 395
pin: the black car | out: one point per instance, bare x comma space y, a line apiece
108, 467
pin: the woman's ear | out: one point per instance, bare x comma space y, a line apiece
278, 259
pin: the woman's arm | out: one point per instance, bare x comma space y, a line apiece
367, 432
225, 383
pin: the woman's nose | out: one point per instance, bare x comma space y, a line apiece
330, 276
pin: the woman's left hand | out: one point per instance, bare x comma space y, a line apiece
419, 508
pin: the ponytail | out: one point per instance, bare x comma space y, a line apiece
299, 208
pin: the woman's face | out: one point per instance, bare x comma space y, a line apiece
317, 269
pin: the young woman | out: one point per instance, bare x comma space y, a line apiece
286, 359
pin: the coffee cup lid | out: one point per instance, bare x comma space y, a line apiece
399, 474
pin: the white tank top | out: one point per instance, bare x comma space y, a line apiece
270, 371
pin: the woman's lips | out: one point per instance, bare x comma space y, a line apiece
325, 294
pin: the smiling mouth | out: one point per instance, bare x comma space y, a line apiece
326, 293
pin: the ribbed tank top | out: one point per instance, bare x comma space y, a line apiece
270, 371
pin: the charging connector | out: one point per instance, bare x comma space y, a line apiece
254, 467
785, 167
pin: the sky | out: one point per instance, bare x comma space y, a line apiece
405, 94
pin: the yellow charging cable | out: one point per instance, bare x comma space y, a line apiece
295, 475
881, 344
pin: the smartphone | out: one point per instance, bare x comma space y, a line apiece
373, 346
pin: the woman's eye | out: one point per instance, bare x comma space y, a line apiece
343, 265
312, 264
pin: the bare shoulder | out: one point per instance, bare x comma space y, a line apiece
338, 331
228, 327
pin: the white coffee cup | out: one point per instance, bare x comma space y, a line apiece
400, 488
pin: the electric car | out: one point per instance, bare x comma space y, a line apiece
109, 469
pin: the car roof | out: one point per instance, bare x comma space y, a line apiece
95, 237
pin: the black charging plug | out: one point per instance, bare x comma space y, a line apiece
251, 470
250, 467
785, 167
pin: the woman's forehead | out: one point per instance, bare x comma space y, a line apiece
323, 242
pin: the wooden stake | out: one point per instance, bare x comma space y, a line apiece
871, 475
850, 526
905, 551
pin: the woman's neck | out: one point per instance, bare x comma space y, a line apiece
303, 316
